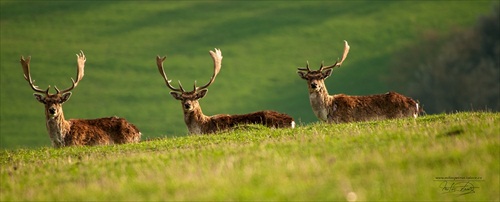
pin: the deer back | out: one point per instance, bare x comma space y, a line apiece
266, 118
390, 105
102, 131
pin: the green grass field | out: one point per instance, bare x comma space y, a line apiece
384, 160
262, 43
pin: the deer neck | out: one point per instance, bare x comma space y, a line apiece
57, 127
194, 120
320, 100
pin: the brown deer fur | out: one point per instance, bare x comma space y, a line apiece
62, 132
198, 123
342, 108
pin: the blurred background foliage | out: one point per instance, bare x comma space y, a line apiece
405, 46
454, 71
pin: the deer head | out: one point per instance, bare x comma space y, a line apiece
316, 78
190, 99
53, 102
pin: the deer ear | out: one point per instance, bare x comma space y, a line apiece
201, 94
302, 74
327, 73
65, 97
39, 98
176, 95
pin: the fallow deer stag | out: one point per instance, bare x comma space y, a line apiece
198, 123
102, 131
342, 108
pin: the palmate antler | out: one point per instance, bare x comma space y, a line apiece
337, 63
217, 58
25, 63
80, 59
159, 63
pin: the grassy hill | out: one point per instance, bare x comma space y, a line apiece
402, 160
262, 43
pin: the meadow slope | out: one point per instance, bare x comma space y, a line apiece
384, 160
262, 43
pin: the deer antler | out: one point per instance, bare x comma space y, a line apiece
26, 68
217, 57
305, 69
337, 63
159, 63
80, 59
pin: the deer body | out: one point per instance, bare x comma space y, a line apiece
342, 108
198, 123
73, 132
81, 132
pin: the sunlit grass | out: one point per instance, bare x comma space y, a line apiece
390, 160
